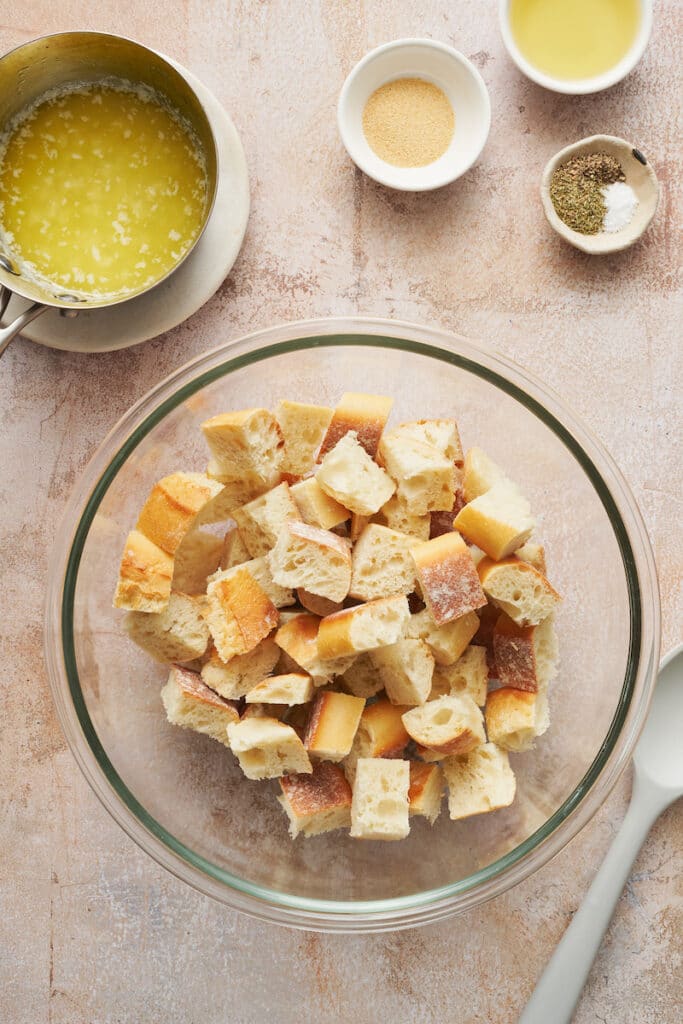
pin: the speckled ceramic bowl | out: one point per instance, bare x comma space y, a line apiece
640, 176
183, 798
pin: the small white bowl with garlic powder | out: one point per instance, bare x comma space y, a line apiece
630, 204
414, 114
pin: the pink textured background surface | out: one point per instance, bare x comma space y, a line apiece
90, 929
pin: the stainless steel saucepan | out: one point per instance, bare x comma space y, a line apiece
26, 74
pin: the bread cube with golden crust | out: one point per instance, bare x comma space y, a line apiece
239, 614
519, 590
448, 578
316, 508
425, 791
447, 642
234, 678
316, 803
145, 575
363, 627
447, 725
498, 521
245, 445
290, 688
191, 704
365, 415
332, 724
267, 748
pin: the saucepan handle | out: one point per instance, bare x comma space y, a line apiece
18, 324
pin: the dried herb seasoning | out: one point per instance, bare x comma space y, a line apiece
576, 190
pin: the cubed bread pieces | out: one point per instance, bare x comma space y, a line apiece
381, 729
534, 554
324, 509
235, 551
238, 613
233, 494
316, 507
479, 782
236, 677
379, 807
303, 428
515, 717
365, 415
351, 477
261, 521
197, 557
448, 577
441, 434
382, 564
145, 575
362, 678
425, 478
526, 656
469, 675
519, 590
298, 639
481, 473
267, 748
192, 705
316, 803
317, 560
178, 633
406, 669
246, 444
381, 733
447, 725
317, 605
171, 508
498, 521
259, 569
363, 627
425, 791
396, 514
291, 688
332, 725
447, 642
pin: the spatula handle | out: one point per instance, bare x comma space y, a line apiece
560, 986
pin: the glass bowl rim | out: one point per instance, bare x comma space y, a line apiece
428, 905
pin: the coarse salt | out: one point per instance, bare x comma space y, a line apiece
620, 202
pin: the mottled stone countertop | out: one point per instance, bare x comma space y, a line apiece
92, 930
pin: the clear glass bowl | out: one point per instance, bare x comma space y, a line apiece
181, 796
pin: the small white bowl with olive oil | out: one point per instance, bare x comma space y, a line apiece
576, 46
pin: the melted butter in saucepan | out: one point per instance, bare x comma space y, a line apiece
103, 189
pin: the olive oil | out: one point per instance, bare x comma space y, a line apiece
574, 39
102, 189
